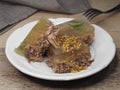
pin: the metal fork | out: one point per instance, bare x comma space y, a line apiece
92, 13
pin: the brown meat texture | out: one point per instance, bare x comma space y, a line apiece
71, 57
36, 52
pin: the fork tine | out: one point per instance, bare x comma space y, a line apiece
91, 16
87, 12
91, 13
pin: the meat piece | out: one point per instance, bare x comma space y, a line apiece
59, 67
36, 52
88, 39
70, 62
73, 52
37, 31
51, 34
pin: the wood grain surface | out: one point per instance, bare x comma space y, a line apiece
107, 79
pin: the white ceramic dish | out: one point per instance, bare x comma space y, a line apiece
103, 46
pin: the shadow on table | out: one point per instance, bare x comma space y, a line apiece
85, 82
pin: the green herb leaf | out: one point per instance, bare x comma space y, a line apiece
77, 25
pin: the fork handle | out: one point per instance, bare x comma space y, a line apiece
115, 8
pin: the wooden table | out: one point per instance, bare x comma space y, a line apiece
107, 79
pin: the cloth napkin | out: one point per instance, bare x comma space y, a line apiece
13, 11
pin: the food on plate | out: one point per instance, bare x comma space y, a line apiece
35, 40
67, 45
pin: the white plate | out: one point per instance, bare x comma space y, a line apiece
103, 46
